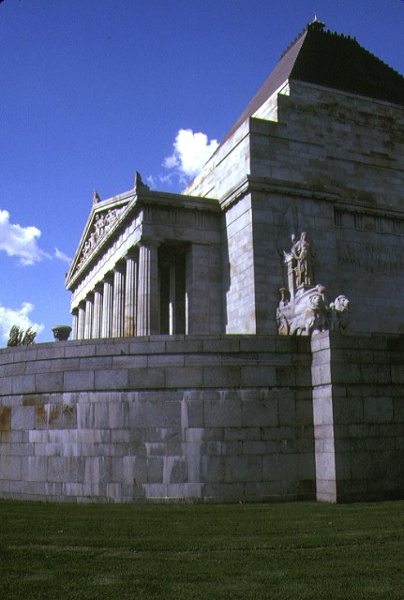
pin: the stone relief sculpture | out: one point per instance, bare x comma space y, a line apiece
303, 308
102, 225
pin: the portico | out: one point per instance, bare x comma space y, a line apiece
139, 269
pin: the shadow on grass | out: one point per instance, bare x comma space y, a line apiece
275, 551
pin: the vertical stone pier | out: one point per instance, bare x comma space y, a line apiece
358, 416
323, 418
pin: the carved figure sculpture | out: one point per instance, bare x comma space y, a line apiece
99, 226
103, 223
281, 319
313, 317
340, 312
303, 308
302, 252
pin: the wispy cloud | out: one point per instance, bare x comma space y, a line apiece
62, 256
20, 241
20, 317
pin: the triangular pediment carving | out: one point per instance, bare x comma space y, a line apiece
103, 220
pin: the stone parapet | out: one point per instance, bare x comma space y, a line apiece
148, 363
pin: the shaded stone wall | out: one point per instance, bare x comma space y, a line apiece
358, 407
160, 418
332, 165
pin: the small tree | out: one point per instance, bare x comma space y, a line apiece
19, 337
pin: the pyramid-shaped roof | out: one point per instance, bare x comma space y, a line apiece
330, 60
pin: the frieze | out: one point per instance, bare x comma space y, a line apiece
102, 225
368, 221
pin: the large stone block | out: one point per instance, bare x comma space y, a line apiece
143, 378
223, 412
378, 410
23, 417
78, 380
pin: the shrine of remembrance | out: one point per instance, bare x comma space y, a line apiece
242, 340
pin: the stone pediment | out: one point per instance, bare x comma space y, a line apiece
103, 220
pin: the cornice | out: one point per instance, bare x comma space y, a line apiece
274, 186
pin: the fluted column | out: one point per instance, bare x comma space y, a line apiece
148, 305
106, 323
118, 301
81, 321
74, 324
97, 313
88, 321
130, 295
172, 304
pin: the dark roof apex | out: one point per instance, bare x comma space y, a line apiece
331, 60
316, 25
338, 61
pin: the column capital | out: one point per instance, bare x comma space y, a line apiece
119, 267
132, 253
149, 243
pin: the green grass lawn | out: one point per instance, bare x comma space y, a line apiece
275, 551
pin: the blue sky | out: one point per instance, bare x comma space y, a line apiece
93, 90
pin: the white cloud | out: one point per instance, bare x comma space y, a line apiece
151, 181
20, 241
62, 256
20, 317
191, 151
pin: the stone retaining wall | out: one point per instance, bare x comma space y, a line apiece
232, 418
159, 418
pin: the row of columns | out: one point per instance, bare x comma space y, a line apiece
126, 302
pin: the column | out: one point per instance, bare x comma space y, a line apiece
148, 305
74, 323
97, 313
118, 301
81, 321
106, 322
171, 303
130, 295
88, 321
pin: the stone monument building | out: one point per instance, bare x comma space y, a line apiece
244, 340
319, 149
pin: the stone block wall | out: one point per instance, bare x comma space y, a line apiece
231, 418
331, 165
358, 407
159, 418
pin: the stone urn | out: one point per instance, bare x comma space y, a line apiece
61, 332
